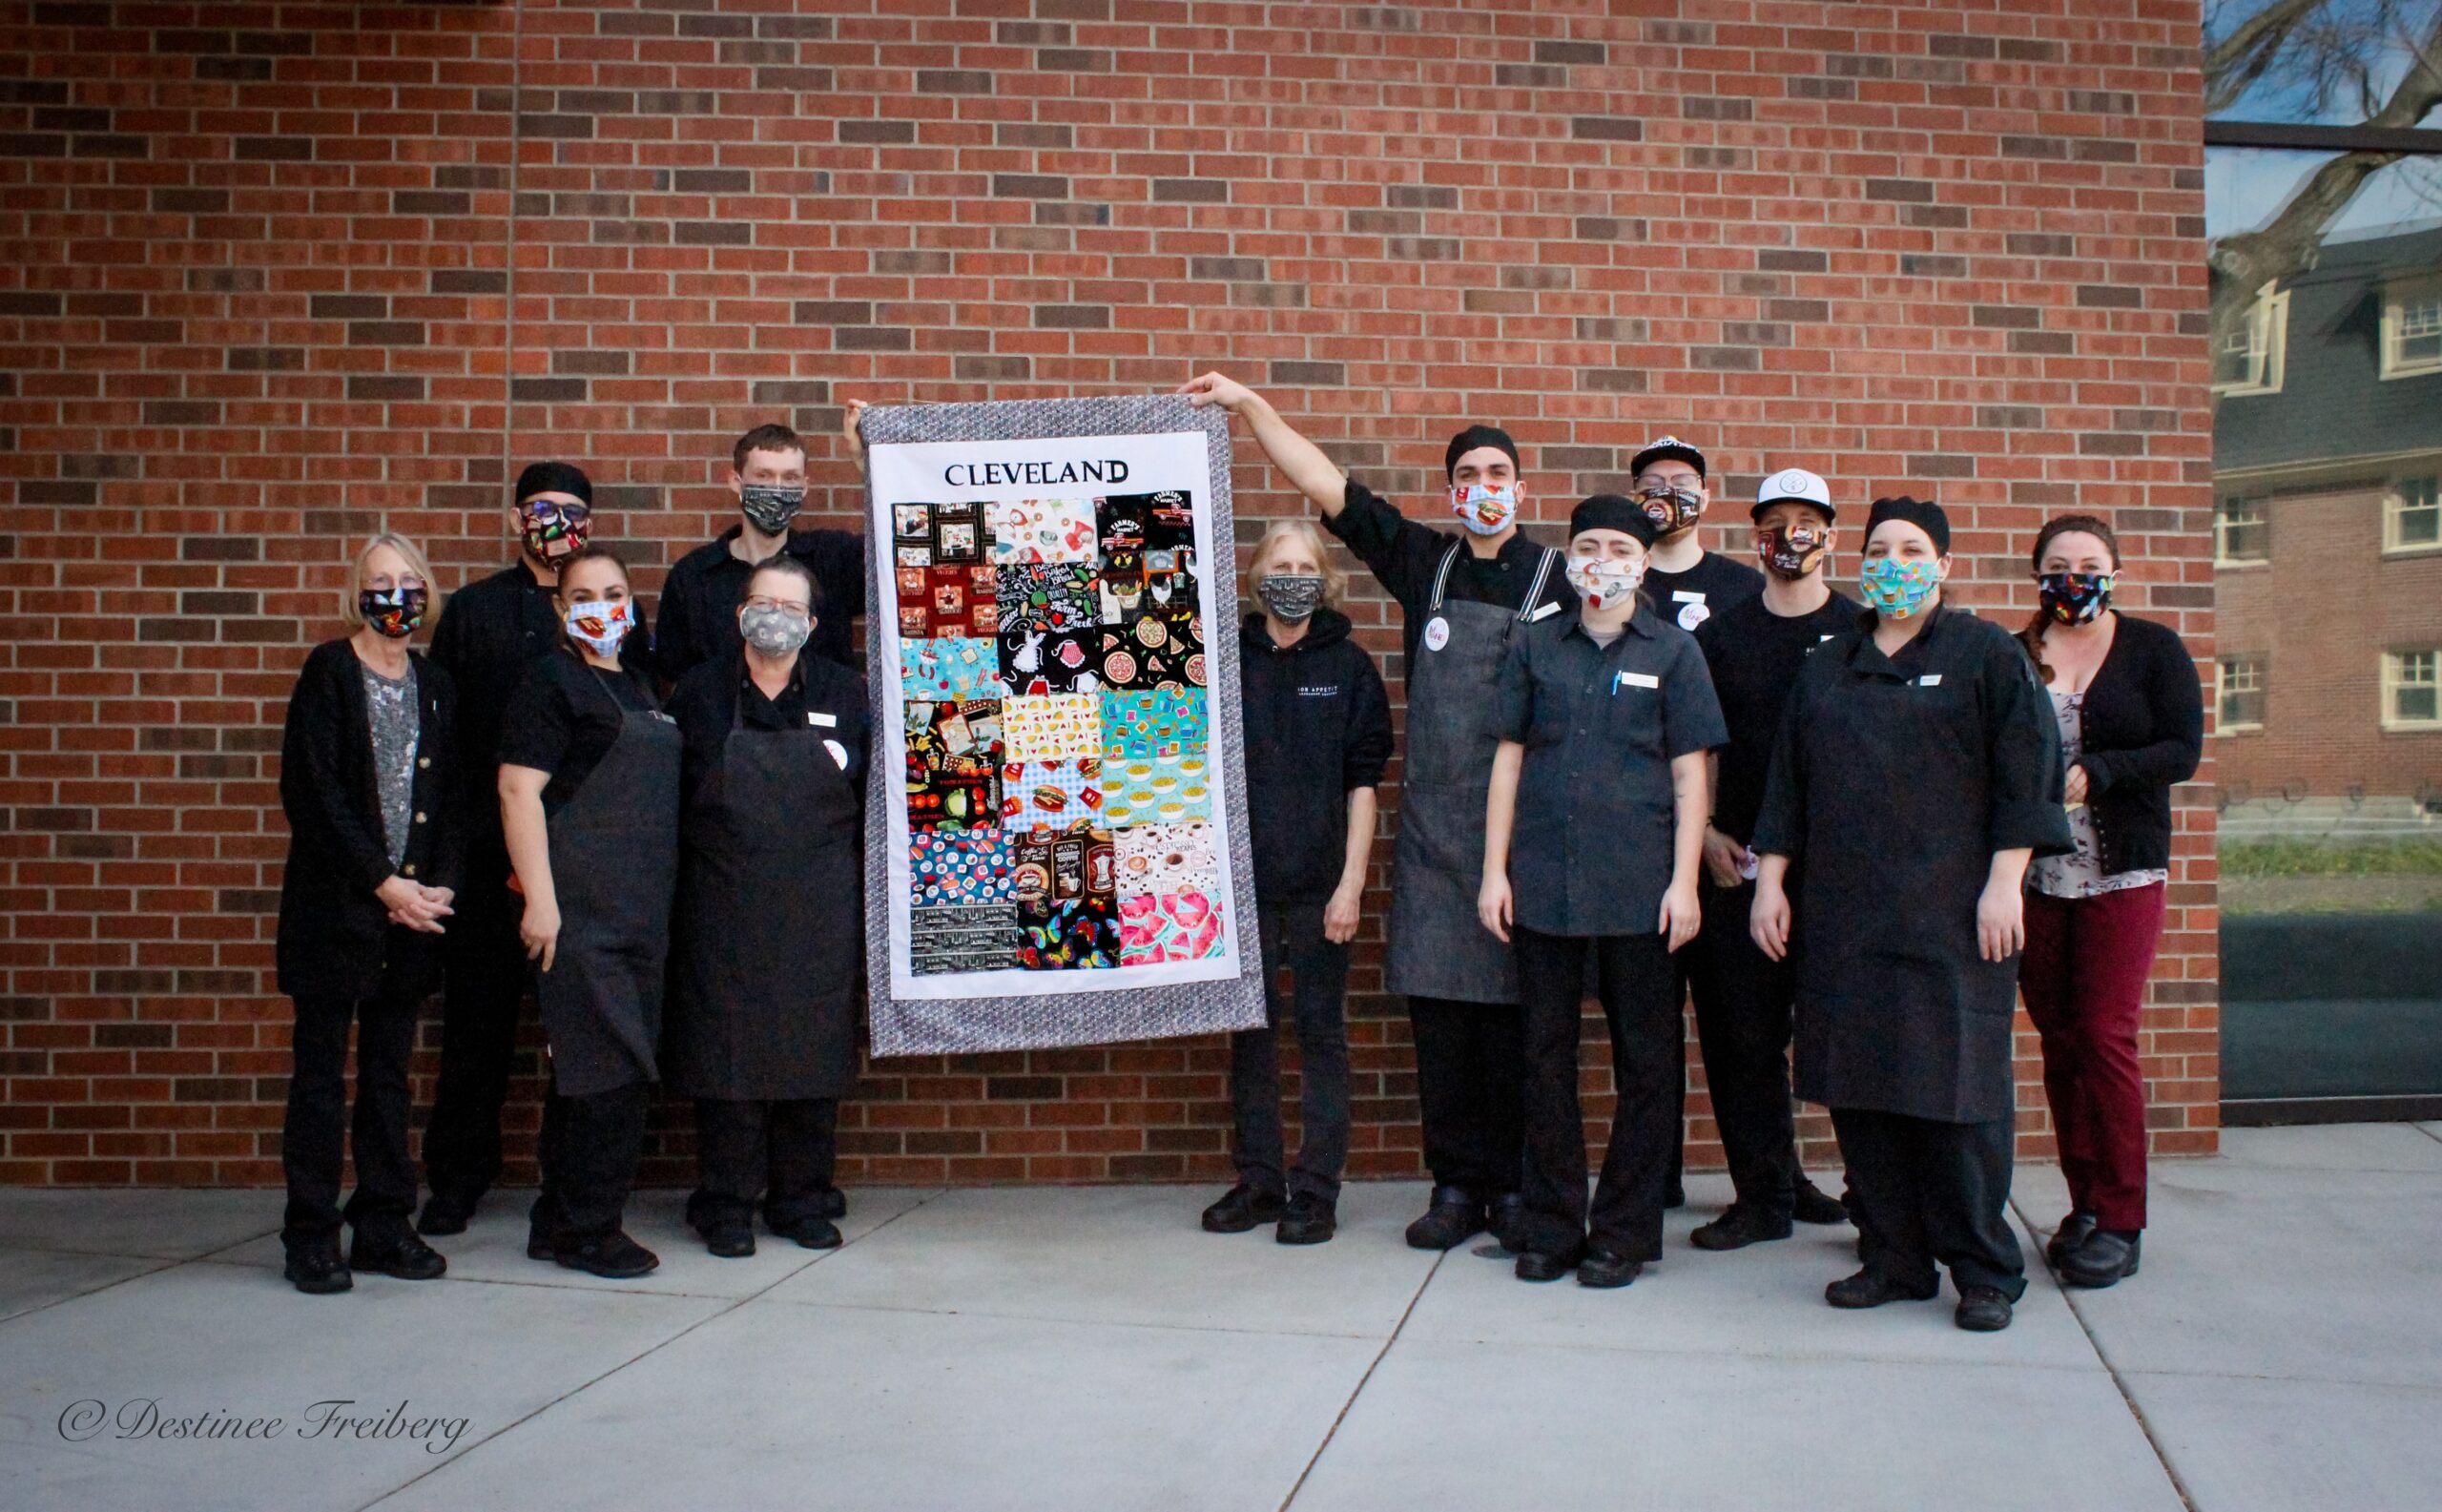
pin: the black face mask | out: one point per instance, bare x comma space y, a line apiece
395, 612
1792, 552
769, 507
1292, 598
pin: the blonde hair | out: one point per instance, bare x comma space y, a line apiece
415, 563
1335, 576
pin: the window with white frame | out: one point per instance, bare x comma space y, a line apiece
2242, 531
2239, 693
2412, 689
2248, 360
2413, 329
2413, 515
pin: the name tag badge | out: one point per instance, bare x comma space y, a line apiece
1634, 680
1545, 612
1436, 633
1686, 595
1930, 679
826, 721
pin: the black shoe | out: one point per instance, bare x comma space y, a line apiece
1538, 1265
1600, 1268
732, 1239
1740, 1225
1453, 1219
1982, 1309
2071, 1234
1869, 1289
1814, 1205
316, 1269
1508, 1223
539, 1244
1242, 1207
443, 1216
1308, 1220
2106, 1257
835, 1203
403, 1255
813, 1232
614, 1256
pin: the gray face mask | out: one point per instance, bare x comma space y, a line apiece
769, 507
771, 632
1292, 599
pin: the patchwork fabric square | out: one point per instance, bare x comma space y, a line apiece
1048, 868
1154, 650
938, 534
1078, 935
1052, 727
1036, 661
1033, 530
1048, 596
950, 667
961, 602
1156, 722
1173, 788
1155, 858
1158, 522
1135, 581
1051, 795
954, 764
1168, 926
941, 942
958, 869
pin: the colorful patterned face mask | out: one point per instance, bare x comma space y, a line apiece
1791, 551
1674, 510
395, 612
1896, 586
2075, 598
600, 624
1604, 582
769, 507
1292, 598
554, 529
1485, 510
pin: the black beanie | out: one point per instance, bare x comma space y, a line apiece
1923, 513
554, 477
1469, 439
1609, 512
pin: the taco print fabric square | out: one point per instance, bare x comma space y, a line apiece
1052, 727
1168, 926
1035, 530
958, 868
950, 667
957, 602
1135, 725
1152, 859
954, 764
1172, 788
1051, 795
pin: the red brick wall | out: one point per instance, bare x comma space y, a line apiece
276, 275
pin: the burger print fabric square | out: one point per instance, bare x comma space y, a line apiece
1051, 795
1035, 530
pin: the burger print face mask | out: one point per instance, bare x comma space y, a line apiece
600, 624
1484, 509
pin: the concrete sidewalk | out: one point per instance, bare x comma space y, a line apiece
1091, 1348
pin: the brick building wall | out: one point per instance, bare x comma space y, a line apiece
276, 275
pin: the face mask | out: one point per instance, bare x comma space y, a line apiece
396, 612
769, 507
1793, 552
1895, 586
1485, 510
599, 626
554, 529
1674, 510
1603, 582
2075, 598
772, 631
1292, 599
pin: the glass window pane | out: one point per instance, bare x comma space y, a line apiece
2315, 63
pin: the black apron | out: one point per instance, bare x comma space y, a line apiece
614, 860
768, 939
1439, 946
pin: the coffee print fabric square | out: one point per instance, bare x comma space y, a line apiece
1034, 531
1168, 926
1174, 789
1053, 795
1152, 723
954, 758
1152, 859
1052, 727
950, 667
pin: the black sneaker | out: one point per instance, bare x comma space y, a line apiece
443, 1216
1542, 1265
1871, 1288
1308, 1220
1814, 1205
316, 1269
1453, 1219
402, 1255
2106, 1257
731, 1239
2071, 1234
1600, 1268
813, 1231
1242, 1207
1982, 1309
1740, 1225
1508, 1223
614, 1256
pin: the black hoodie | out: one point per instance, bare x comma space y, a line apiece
1317, 728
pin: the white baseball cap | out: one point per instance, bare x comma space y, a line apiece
1799, 485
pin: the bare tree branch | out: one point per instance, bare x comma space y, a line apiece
2238, 60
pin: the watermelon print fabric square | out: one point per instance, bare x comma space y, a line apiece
936, 602
1155, 858
1052, 727
1036, 661
1138, 724
1168, 926
958, 868
1034, 531
954, 764
1048, 596
1051, 795
1157, 789
950, 667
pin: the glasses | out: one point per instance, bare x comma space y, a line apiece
544, 511
789, 608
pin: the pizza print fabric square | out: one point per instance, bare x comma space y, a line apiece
954, 764
950, 667
1052, 727
958, 868
1034, 531
1135, 725
1172, 788
1051, 795
1153, 859
1168, 926
1154, 651
957, 602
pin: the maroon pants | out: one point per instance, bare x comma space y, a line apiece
2083, 976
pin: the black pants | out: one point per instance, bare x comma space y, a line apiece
1470, 1085
1921, 1191
590, 1148
781, 1153
1292, 934
487, 977
1743, 1000
313, 1140
1637, 985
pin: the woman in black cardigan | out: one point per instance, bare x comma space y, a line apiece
2132, 724
365, 779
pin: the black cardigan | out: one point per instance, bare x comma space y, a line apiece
2143, 730
336, 938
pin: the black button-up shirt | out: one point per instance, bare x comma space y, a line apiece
1591, 850
699, 599
819, 695
1406, 558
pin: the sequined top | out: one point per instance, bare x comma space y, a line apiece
2080, 874
391, 712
